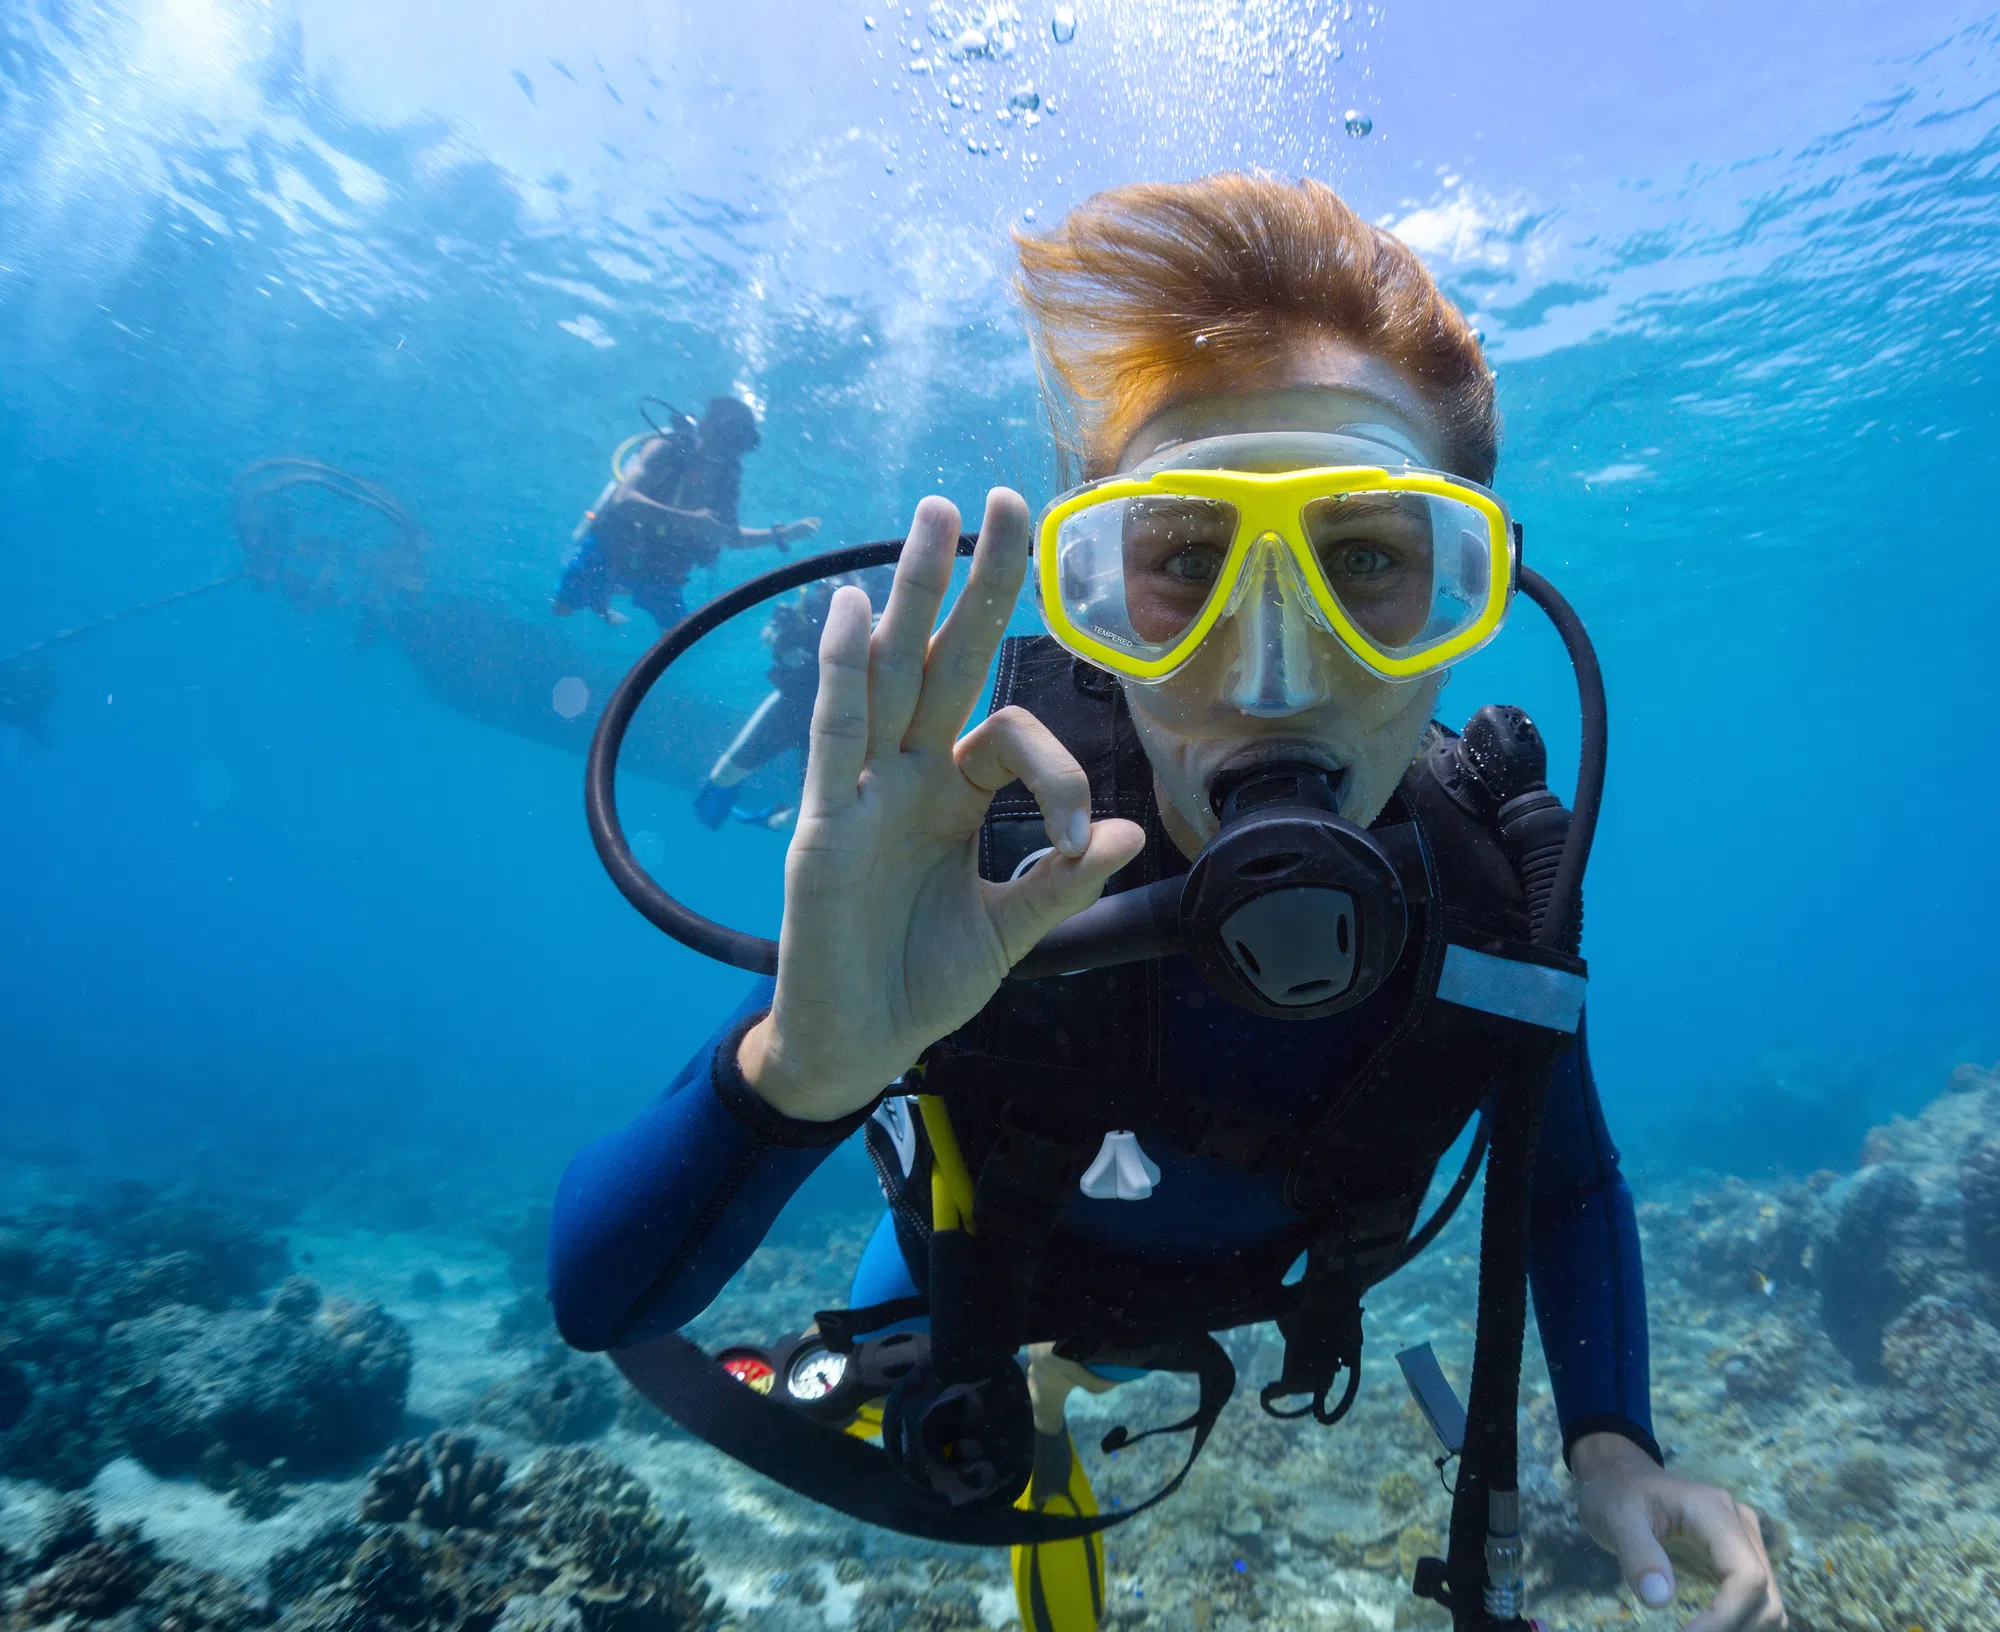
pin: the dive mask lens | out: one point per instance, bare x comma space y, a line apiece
1407, 569
1136, 572
1411, 570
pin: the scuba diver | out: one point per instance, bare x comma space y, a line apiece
670, 507
1285, 539
783, 719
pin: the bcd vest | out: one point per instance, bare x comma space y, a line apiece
1050, 1067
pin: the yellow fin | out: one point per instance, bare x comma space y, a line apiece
1059, 1585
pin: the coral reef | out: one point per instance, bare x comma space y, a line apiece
1766, 1364
1947, 1361
1855, 1233
576, 1544
81, 1576
315, 1383
1979, 1185
91, 1581
1871, 1460
68, 1275
561, 1398
1867, 1581
442, 1482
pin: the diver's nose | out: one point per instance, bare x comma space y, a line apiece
1276, 671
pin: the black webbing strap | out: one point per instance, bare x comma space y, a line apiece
842, 1328
1491, 1456
831, 1467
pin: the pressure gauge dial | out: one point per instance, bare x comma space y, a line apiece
814, 1374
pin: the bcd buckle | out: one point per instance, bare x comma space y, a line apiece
1322, 1332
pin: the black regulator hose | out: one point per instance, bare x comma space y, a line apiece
600, 777
1592, 712
759, 954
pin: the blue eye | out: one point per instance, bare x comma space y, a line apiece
1363, 561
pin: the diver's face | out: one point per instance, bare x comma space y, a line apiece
1199, 722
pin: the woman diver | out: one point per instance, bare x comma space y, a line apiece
1284, 540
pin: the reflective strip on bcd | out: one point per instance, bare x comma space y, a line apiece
1516, 991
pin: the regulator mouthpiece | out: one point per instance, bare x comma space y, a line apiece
1291, 911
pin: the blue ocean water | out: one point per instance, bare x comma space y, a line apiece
270, 891
297, 902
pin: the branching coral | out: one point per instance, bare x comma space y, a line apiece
443, 1482
91, 1581
577, 1541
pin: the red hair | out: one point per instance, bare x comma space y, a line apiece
1148, 294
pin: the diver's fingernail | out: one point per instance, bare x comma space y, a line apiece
1656, 1589
1076, 836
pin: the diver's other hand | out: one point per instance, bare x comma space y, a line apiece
790, 532
1631, 1506
891, 938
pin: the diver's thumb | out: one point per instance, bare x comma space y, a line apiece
1641, 1559
1058, 887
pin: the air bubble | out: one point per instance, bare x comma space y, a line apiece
1025, 97
1062, 25
971, 43
868, 22
1357, 122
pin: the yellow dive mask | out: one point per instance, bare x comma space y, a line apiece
1277, 535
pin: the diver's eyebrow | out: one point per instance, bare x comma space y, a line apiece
1340, 506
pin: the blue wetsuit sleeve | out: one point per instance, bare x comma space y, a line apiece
650, 1222
1584, 1267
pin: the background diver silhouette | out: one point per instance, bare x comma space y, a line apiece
670, 507
331, 543
783, 720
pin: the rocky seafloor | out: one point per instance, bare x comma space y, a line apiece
208, 1421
